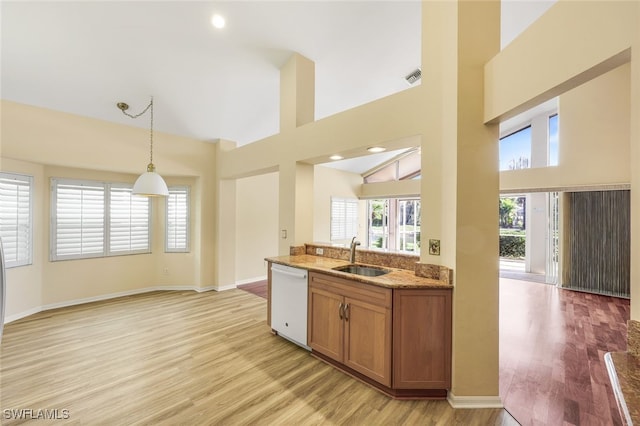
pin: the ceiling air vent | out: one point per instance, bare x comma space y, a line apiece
414, 76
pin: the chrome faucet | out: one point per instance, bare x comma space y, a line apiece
352, 255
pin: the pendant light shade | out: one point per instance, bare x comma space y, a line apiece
150, 183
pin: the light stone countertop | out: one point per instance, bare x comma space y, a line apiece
397, 278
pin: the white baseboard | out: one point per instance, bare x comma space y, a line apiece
225, 287
99, 298
474, 401
251, 280
20, 315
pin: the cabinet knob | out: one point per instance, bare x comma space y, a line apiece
346, 312
340, 310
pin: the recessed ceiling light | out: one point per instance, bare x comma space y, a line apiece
336, 157
376, 149
218, 21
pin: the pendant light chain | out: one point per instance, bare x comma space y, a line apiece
150, 183
151, 134
123, 107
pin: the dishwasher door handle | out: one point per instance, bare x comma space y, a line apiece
291, 274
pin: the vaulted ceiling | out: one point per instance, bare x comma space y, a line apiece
83, 57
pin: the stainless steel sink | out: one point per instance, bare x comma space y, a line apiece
367, 271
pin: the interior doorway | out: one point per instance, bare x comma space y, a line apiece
529, 231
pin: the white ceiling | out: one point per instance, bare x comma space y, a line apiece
83, 57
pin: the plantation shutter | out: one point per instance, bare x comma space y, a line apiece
177, 228
128, 221
79, 220
15, 218
344, 218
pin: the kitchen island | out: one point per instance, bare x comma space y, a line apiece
392, 331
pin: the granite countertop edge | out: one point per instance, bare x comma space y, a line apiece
624, 374
397, 278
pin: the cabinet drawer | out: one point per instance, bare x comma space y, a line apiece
369, 293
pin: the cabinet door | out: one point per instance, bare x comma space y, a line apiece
325, 330
421, 339
368, 340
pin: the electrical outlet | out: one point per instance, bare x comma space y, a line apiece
165, 271
319, 251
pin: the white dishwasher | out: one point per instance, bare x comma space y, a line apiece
289, 303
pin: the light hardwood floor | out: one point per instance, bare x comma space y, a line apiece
189, 358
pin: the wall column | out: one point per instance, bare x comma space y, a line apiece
537, 202
297, 92
635, 171
297, 108
458, 39
225, 226
295, 205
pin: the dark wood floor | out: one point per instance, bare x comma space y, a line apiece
552, 344
259, 288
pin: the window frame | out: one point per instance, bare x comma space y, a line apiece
28, 179
187, 248
392, 233
106, 225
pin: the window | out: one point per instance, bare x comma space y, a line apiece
344, 218
128, 221
16, 218
96, 219
394, 224
553, 140
515, 150
379, 224
409, 225
177, 225
405, 166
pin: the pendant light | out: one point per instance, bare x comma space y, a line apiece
150, 183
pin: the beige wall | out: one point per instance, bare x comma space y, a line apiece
594, 136
335, 183
256, 225
45, 144
603, 36
573, 42
24, 283
394, 189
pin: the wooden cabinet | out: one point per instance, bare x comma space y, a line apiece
367, 339
422, 338
399, 338
325, 332
350, 322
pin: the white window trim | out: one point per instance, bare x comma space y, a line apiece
393, 228
29, 180
54, 257
186, 249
